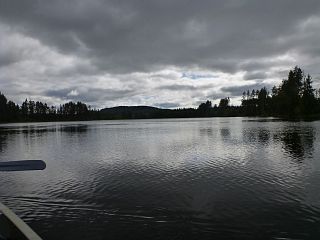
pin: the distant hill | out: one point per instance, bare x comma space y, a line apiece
133, 112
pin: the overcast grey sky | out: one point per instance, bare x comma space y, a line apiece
166, 53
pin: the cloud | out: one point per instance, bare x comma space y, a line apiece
139, 36
255, 75
89, 95
177, 87
196, 76
187, 88
236, 91
167, 105
142, 51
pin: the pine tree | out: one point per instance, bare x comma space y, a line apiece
308, 97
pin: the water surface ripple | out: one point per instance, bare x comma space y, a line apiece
221, 178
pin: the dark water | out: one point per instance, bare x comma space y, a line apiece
219, 178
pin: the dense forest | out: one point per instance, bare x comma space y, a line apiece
295, 97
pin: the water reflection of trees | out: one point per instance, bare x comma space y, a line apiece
298, 142
74, 128
37, 132
263, 135
206, 132
3, 140
225, 132
256, 135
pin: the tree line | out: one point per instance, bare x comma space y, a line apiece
38, 111
295, 97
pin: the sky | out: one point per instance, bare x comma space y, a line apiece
163, 53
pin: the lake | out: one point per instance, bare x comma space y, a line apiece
221, 178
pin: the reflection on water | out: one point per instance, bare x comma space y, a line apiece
230, 178
263, 135
74, 128
39, 130
225, 132
206, 132
3, 141
298, 142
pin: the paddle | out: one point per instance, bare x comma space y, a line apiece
23, 165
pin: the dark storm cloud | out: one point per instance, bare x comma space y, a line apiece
6, 60
126, 36
183, 45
